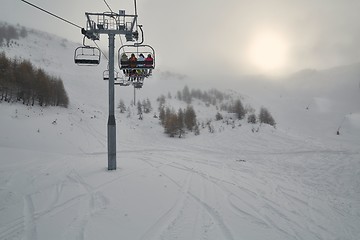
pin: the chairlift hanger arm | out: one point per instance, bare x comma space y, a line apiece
142, 35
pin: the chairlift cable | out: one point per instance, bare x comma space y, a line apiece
52, 14
135, 12
136, 21
108, 6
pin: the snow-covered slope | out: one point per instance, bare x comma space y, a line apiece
298, 181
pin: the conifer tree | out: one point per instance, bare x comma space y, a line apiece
171, 123
20, 81
162, 116
239, 109
186, 96
139, 108
180, 122
265, 117
146, 104
122, 106
161, 101
190, 118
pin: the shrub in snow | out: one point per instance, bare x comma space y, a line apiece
218, 116
252, 118
197, 130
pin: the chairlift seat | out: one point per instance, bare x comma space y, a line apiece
87, 61
139, 65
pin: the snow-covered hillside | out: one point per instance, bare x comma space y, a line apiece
298, 181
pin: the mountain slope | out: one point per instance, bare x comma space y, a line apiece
298, 181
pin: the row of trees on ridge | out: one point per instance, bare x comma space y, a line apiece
9, 32
184, 120
178, 123
21, 82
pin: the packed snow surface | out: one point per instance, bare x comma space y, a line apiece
298, 181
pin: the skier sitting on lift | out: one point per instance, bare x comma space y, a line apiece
132, 64
133, 61
125, 63
149, 61
140, 72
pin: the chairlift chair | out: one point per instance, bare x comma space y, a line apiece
141, 69
138, 84
106, 75
123, 83
87, 56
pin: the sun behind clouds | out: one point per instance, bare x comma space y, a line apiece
268, 51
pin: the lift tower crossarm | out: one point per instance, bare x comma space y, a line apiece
111, 23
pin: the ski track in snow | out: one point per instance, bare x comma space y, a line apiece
269, 214
249, 192
30, 224
93, 202
172, 217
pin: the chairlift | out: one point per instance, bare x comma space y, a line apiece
142, 69
87, 56
123, 83
106, 75
138, 84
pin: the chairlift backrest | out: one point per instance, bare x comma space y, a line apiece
87, 56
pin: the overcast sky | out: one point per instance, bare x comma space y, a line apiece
234, 35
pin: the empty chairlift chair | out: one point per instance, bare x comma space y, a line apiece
106, 75
87, 56
117, 80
